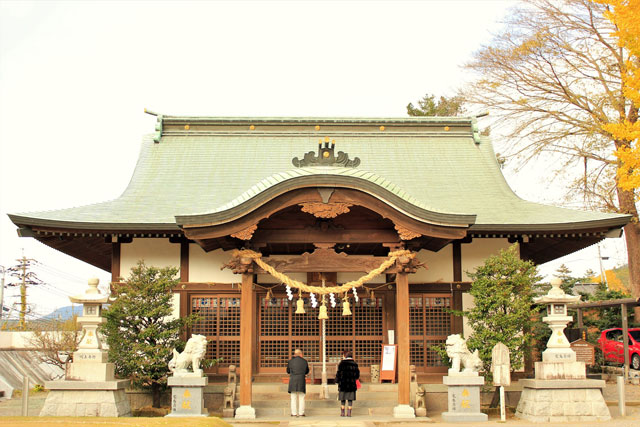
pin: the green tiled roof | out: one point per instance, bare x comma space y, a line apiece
220, 164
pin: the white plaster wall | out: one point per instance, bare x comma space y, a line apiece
156, 252
205, 266
348, 277
467, 304
440, 266
175, 306
475, 253
267, 278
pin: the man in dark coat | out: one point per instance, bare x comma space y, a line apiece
297, 368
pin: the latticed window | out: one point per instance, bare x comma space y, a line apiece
219, 321
429, 325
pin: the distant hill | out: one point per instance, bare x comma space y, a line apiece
65, 313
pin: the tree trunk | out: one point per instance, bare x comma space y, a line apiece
632, 236
156, 394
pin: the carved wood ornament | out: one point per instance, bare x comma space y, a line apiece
325, 210
405, 233
245, 234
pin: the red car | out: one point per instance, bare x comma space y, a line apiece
611, 344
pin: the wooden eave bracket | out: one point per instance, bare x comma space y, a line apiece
323, 260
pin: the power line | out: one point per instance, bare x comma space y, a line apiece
55, 270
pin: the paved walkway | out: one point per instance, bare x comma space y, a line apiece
10, 409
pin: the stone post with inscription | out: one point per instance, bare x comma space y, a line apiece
89, 388
463, 386
560, 391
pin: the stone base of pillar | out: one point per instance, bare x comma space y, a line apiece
245, 412
187, 396
561, 401
464, 417
86, 399
403, 411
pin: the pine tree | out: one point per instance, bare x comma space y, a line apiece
140, 331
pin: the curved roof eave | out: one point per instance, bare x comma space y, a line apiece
356, 179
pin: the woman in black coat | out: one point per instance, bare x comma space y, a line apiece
346, 377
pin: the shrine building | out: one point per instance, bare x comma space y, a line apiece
318, 200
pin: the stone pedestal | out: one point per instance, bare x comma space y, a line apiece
562, 401
561, 370
464, 399
86, 399
187, 396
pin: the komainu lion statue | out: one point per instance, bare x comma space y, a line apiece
193, 353
459, 353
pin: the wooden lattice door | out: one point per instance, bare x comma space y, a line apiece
429, 325
281, 331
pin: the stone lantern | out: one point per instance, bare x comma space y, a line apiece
560, 391
558, 347
90, 361
89, 388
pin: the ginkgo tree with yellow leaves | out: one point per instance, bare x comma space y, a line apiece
560, 86
625, 15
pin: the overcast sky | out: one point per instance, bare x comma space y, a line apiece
76, 76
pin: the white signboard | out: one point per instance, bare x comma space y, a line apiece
389, 358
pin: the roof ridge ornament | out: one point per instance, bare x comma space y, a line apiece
326, 157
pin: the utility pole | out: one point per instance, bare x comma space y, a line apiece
603, 276
26, 278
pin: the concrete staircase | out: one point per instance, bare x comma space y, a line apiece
272, 400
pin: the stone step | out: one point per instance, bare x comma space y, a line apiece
315, 412
361, 395
315, 388
323, 404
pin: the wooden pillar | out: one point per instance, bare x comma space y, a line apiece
184, 262
115, 261
402, 331
247, 308
457, 324
457, 261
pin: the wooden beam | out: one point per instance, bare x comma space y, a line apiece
115, 261
247, 307
184, 261
402, 329
606, 303
325, 236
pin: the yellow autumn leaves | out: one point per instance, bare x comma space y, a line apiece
625, 15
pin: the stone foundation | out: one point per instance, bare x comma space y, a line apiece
86, 399
562, 401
